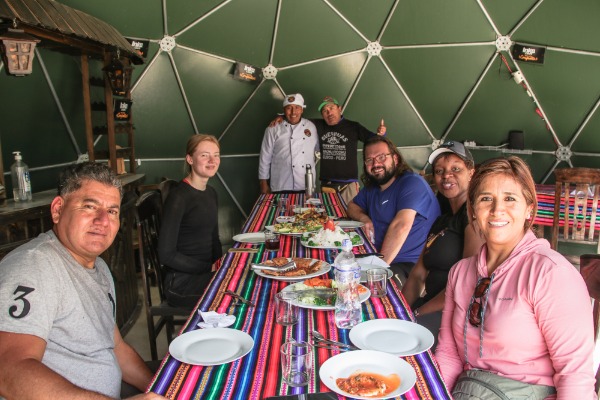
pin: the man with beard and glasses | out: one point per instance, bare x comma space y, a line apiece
397, 205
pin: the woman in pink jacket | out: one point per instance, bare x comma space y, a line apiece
517, 319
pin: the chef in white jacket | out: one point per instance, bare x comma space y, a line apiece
287, 149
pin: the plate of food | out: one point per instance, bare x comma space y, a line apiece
295, 228
305, 268
320, 293
395, 336
309, 210
367, 374
330, 237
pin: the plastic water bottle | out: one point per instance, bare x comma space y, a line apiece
308, 182
19, 172
348, 312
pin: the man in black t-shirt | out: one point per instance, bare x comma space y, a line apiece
338, 139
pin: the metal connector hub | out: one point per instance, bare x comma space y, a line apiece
269, 72
167, 43
374, 49
503, 43
563, 153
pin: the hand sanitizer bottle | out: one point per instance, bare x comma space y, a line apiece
19, 172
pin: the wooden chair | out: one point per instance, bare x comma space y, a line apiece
575, 207
589, 267
165, 186
148, 213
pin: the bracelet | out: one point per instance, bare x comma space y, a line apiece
416, 312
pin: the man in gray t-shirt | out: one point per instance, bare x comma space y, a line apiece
58, 336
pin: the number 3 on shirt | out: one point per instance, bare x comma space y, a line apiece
26, 305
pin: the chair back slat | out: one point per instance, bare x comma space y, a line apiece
149, 213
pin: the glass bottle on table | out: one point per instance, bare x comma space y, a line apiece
348, 312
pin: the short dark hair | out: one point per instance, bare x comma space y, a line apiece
72, 177
513, 167
401, 167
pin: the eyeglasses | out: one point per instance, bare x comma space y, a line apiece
380, 159
476, 309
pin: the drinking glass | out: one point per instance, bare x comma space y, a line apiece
271, 240
286, 308
282, 203
296, 363
377, 281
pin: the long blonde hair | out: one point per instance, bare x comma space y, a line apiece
192, 143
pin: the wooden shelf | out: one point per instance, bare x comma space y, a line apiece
113, 153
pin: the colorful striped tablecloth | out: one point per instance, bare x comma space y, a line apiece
545, 212
258, 374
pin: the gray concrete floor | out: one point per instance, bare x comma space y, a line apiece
137, 337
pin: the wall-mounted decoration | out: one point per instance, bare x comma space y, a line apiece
531, 54
119, 76
141, 46
18, 51
122, 109
246, 72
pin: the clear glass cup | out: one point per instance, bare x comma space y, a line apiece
296, 363
377, 281
286, 308
282, 206
271, 240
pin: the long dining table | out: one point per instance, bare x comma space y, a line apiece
258, 375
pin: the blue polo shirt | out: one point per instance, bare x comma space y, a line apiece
408, 191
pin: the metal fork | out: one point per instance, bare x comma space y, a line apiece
240, 298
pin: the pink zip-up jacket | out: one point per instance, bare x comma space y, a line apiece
537, 326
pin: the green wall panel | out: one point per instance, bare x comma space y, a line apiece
322, 34
367, 16
508, 13
403, 126
241, 30
245, 133
573, 24
562, 92
438, 93
437, 21
333, 77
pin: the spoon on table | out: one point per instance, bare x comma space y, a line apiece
320, 338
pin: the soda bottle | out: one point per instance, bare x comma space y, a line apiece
348, 312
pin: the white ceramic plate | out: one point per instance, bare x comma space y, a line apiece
345, 364
314, 201
325, 267
252, 237
372, 262
350, 224
304, 242
214, 346
363, 296
394, 336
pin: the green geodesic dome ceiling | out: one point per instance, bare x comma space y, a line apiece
433, 70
